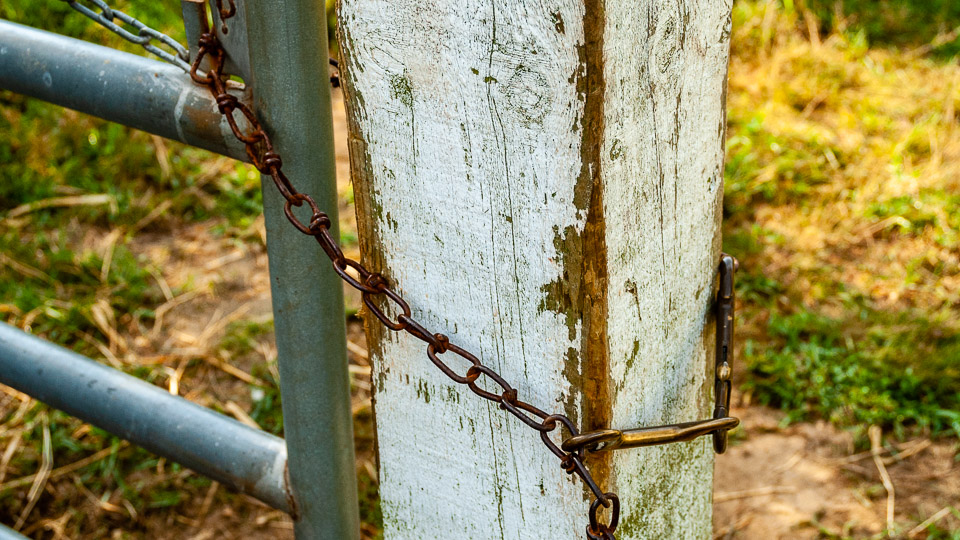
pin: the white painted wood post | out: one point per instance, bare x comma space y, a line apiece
543, 182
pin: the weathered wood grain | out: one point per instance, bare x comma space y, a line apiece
543, 181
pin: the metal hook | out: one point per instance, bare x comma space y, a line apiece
721, 423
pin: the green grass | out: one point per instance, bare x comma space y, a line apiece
52, 278
58, 298
241, 337
859, 373
48, 153
935, 532
841, 202
53, 282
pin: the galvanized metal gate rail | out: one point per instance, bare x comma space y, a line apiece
280, 47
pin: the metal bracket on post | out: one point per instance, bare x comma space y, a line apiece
234, 41
613, 439
724, 352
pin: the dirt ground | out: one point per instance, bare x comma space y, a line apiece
806, 481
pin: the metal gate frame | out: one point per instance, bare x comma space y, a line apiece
279, 48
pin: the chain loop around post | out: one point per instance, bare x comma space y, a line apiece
375, 310
340, 267
433, 352
480, 369
373, 284
298, 200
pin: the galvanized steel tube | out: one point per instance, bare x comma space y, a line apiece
214, 445
290, 78
120, 87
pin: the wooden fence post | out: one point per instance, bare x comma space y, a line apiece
543, 183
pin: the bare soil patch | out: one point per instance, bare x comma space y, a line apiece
806, 481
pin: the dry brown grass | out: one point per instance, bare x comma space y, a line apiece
866, 126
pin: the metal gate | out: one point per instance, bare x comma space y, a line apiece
280, 47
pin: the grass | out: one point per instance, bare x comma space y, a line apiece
842, 203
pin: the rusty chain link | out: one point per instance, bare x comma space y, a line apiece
373, 285
225, 12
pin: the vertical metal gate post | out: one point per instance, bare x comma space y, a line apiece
288, 57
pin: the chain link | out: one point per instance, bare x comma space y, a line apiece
374, 286
144, 35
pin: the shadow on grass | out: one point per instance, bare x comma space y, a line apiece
897, 23
896, 370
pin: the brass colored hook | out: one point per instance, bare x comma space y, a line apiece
612, 439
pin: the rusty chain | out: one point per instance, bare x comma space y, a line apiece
145, 35
373, 285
